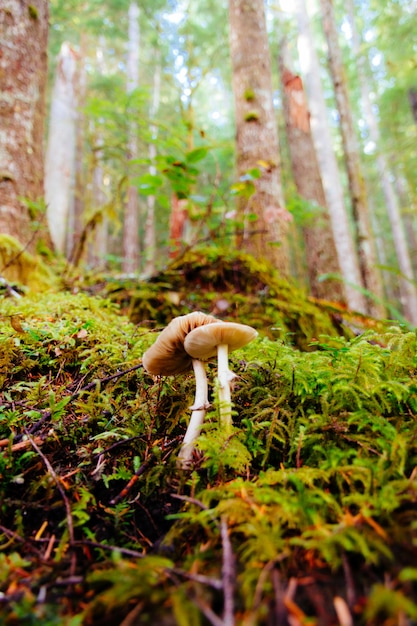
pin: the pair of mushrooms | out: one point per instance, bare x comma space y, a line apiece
184, 344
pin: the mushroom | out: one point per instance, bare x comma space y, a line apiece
207, 341
167, 357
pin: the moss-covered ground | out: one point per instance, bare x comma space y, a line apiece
305, 515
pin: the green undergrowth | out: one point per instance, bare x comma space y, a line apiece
305, 514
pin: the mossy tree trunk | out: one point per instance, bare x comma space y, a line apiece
318, 238
262, 216
23, 70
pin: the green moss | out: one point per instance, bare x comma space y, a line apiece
249, 95
33, 12
251, 116
316, 481
209, 278
22, 268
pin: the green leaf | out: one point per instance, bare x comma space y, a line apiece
196, 155
149, 183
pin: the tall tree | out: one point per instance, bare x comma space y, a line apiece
357, 187
131, 216
60, 153
318, 237
149, 240
407, 286
329, 170
257, 135
23, 71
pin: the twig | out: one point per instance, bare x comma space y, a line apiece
140, 471
45, 417
199, 578
102, 546
350, 585
4, 443
191, 500
16, 537
208, 612
61, 490
104, 380
228, 575
9, 288
131, 617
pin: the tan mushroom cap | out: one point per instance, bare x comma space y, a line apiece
167, 355
201, 343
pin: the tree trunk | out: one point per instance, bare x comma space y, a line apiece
407, 288
77, 207
60, 153
23, 71
318, 238
178, 221
131, 255
412, 98
257, 135
346, 251
149, 242
366, 245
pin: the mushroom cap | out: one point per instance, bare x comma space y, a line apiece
167, 355
201, 343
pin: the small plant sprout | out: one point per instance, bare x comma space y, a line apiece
221, 338
167, 357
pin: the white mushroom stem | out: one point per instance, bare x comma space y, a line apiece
225, 377
199, 409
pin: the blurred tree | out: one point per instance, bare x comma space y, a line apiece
60, 153
318, 237
23, 72
131, 252
407, 286
262, 215
365, 242
329, 169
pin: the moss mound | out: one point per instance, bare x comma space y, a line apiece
305, 514
236, 287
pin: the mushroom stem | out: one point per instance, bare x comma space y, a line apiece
225, 377
199, 409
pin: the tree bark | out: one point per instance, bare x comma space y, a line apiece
257, 135
318, 238
412, 98
357, 188
60, 153
23, 71
346, 251
149, 242
131, 244
408, 291
77, 207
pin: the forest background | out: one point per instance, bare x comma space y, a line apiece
161, 135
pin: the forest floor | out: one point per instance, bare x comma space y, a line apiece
305, 513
